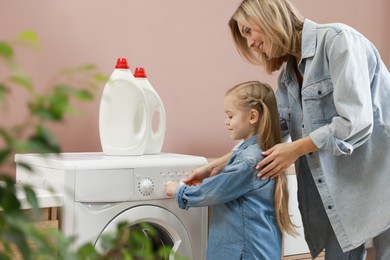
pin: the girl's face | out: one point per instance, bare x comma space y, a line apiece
255, 37
239, 121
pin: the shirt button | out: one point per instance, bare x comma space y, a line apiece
303, 126
319, 180
330, 207
319, 92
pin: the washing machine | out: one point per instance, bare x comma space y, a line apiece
99, 192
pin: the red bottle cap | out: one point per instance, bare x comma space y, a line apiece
139, 73
121, 63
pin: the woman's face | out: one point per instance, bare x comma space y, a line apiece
255, 37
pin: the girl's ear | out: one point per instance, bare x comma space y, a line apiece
254, 116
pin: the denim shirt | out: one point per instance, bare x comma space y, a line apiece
243, 222
344, 106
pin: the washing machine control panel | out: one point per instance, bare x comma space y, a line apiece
150, 182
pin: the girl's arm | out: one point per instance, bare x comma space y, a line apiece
214, 167
234, 181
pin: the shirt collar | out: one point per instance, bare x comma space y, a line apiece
309, 39
309, 44
250, 141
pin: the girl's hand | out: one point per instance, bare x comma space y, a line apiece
170, 188
212, 168
198, 175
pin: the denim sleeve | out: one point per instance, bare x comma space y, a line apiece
350, 61
234, 181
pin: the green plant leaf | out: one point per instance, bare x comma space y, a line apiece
63, 246
87, 251
17, 236
4, 256
101, 78
58, 103
38, 108
6, 50
19, 145
52, 106
43, 240
29, 38
32, 200
8, 200
22, 81
25, 166
43, 141
86, 67
79, 69
6, 136
4, 91
83, 94
4, 154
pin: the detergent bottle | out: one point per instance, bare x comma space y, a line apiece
157, 116
123, 115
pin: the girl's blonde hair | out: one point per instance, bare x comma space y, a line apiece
260, 96
280, 21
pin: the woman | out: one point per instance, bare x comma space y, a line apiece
333, 92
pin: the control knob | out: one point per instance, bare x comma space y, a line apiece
146, 187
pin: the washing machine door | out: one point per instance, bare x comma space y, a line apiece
169, 229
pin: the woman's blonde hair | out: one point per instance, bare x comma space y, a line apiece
280, 21
260, 96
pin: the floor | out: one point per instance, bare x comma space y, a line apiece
370, 256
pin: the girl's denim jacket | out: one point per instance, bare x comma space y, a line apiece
243, 222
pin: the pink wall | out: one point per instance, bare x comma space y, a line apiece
185, 47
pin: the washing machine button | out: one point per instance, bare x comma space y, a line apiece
146, 187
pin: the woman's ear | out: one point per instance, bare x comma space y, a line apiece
254, 116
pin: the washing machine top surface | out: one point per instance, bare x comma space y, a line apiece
97, 160
94, 177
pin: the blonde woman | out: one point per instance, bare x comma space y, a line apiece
247, 212
333, 97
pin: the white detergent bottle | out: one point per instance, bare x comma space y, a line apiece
157, 116
123, 115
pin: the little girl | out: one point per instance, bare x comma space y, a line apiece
248, 213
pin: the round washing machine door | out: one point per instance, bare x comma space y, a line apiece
168, 228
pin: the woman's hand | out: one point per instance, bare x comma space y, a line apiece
277, 160
171, 187
281, 156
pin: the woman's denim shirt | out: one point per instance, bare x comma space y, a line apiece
344, 106
243, 222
